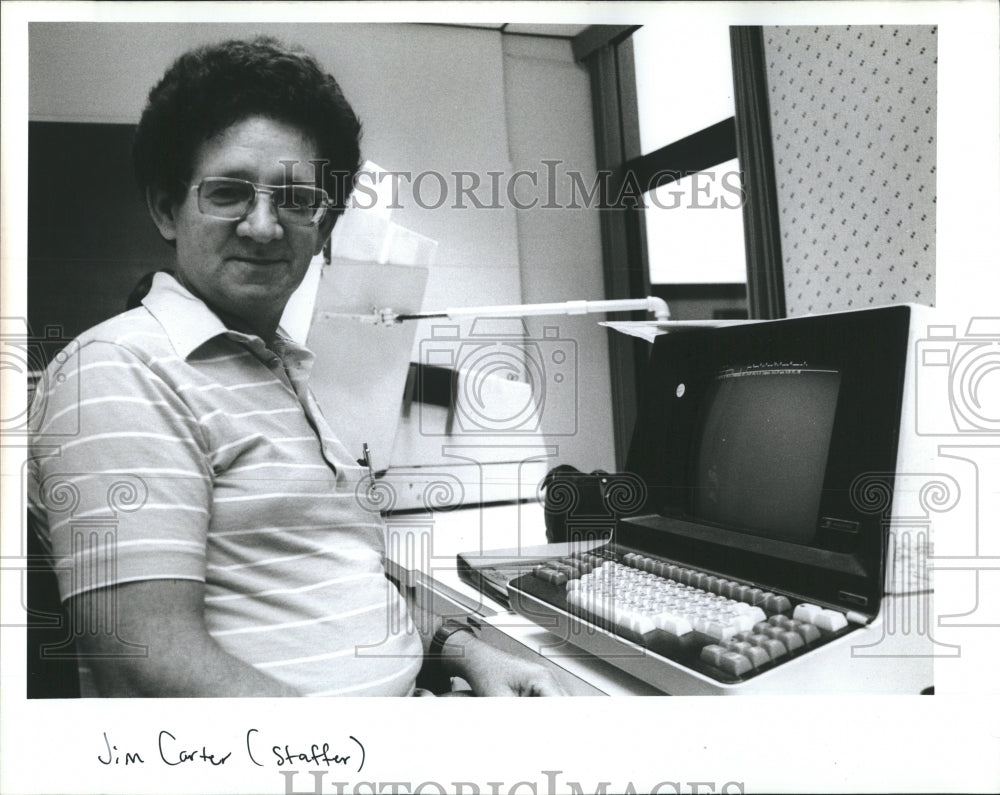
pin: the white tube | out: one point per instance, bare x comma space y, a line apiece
651, 304
388, 317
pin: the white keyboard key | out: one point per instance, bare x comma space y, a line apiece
755, 613
806, 612
624, 616
602, 608
619, 615
642, 624
830, 620
673, 624
609, 609
720, 630
745, 622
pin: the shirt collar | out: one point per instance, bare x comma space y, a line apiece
189, 323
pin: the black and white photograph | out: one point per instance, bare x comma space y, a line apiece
620, 357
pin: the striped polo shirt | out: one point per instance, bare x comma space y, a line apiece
171, 447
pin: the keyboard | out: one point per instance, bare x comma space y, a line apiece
722, 629
490, 573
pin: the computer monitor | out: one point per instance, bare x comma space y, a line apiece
760, 445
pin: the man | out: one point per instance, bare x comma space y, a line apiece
241, 561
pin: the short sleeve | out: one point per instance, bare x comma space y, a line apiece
119, 482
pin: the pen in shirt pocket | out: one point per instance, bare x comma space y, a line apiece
366, 462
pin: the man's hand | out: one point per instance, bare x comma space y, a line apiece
492, 672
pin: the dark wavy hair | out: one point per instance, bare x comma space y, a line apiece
210, 88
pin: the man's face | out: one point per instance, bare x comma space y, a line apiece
246, 269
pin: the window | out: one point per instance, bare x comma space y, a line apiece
694, 229
683, 81
693, 224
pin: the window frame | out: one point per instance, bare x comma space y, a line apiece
606, 51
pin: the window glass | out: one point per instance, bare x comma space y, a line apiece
684, 80
694, 229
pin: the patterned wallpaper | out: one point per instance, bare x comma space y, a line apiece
854, 122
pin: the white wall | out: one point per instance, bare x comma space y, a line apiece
548, 105
435, 98
429, 97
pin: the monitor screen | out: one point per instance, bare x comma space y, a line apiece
760, 458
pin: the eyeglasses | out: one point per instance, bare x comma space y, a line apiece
231, 199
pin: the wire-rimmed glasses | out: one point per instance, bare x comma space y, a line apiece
232, 199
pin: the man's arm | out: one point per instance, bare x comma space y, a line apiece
181, 658
121, 417
488, 670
